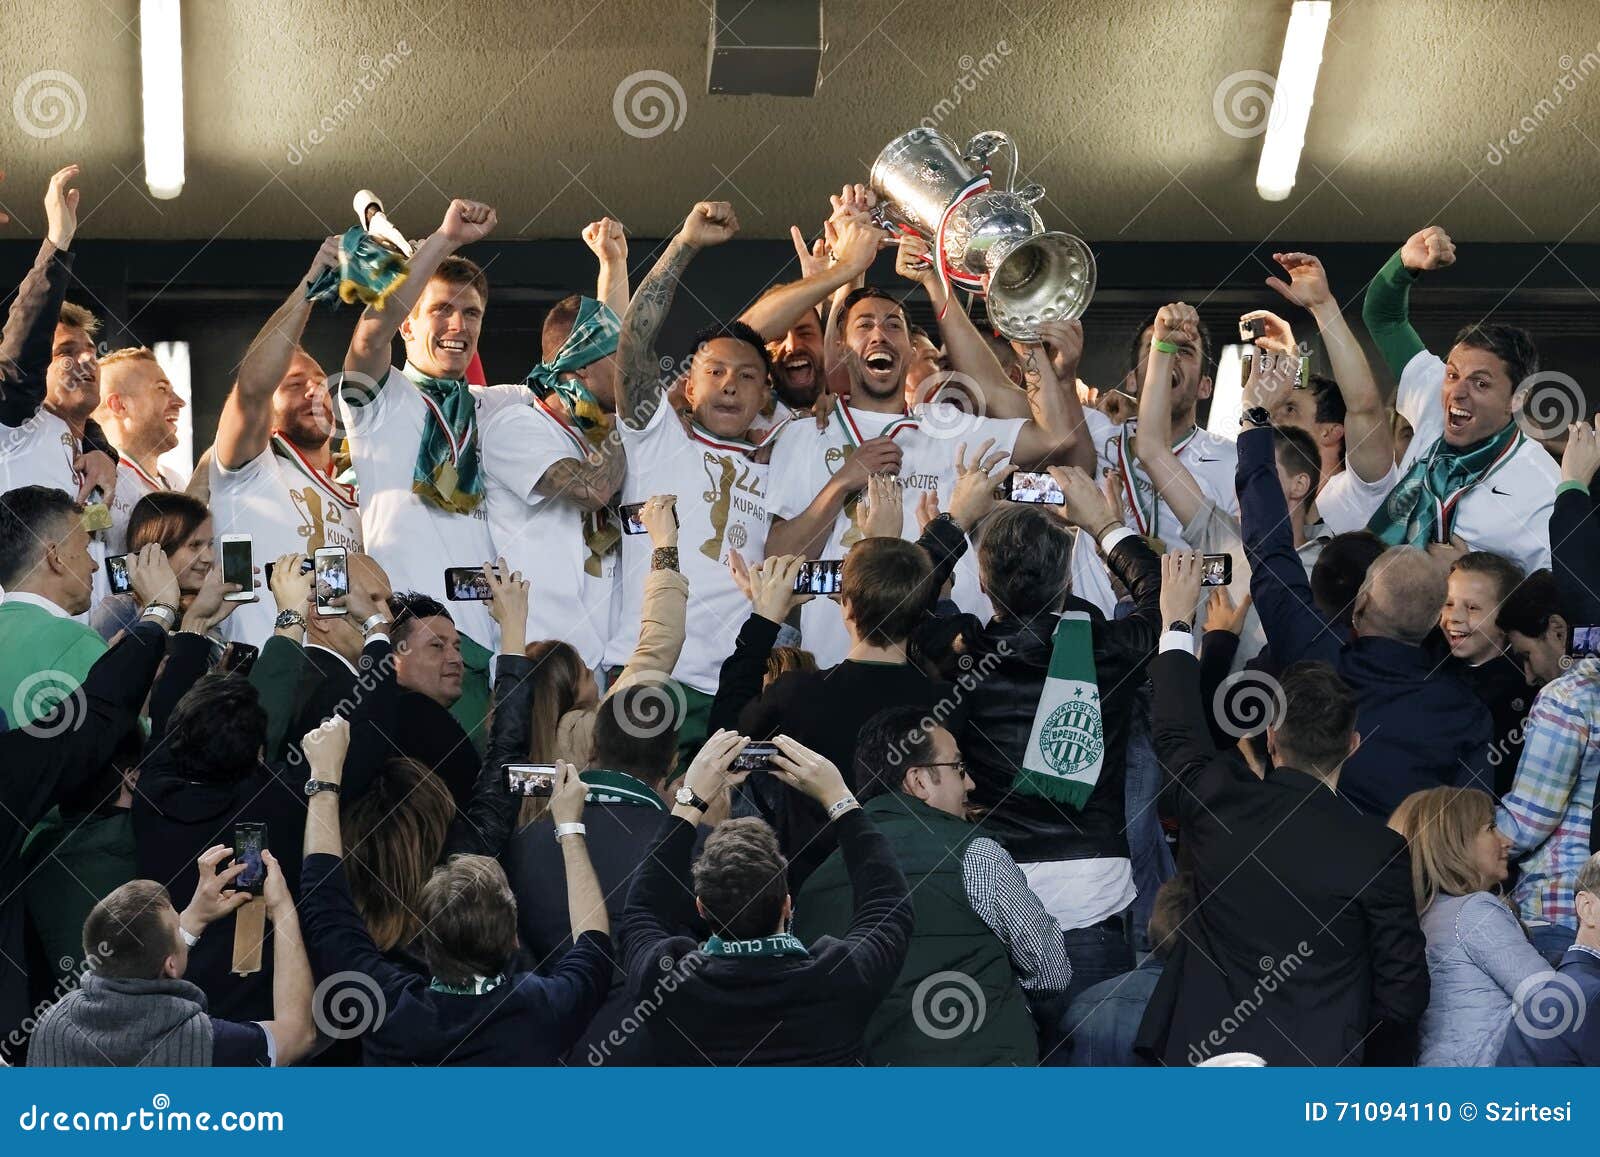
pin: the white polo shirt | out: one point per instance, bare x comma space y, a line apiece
805, 458
287, 506
1508, 512
1212, 459
414, 540
542, 536
722, 504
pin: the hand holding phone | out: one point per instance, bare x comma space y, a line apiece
331, 565
1216, 570
1037, 488
117, 576
755, 757
466, 584
819, 577
249, 841
531, 779
237, 568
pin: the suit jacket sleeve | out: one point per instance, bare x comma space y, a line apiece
1399, 950
54, 757
1179, 729
945, 543
188, 658
29, 335
1575, 550
739, 683
484, 829
1278, 585
275, 676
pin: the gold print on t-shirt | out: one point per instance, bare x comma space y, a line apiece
309, 503
719, 496
835, 457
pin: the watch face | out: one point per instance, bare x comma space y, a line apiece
685, 797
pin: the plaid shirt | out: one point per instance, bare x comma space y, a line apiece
1547, 812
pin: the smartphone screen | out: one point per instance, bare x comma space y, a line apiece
754, 757
1039, 489
237, 567
535, 779
249, 841
333, 579
117, 574
632, 524
819, 577
1585, 642
1216, 570
238, 658
465, 584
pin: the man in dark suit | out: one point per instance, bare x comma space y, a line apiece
1303, 945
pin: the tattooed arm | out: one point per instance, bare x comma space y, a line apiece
587, 483
641, 387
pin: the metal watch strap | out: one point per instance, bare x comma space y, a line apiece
288, 618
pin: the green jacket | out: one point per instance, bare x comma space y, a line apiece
43, 659
956, 1001
70, 863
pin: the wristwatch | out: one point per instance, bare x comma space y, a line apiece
1256, 416
1180, 625
289, 618
313, 786
686, 798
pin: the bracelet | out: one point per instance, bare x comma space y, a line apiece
374, 621
841, 806
563, 830
1165, 347
188, 938
163, 611
664, 558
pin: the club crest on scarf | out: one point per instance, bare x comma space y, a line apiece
1071, 739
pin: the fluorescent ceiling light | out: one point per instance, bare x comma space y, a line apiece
161, 63
1291, 99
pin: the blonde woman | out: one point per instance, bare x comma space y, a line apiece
1478, 954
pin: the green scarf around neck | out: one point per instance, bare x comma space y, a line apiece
1422, 506
447, 473
782, 944
595, 334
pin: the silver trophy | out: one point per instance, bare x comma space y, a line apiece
988, 237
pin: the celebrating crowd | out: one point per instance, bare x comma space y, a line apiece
842, 693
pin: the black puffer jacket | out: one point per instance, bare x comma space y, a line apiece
1001, 672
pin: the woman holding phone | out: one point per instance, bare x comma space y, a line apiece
182, 527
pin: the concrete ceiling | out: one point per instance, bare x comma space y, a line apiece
1114, 105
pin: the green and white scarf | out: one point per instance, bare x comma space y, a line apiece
783, 944
479, 986
447, 472
1422, 506
1066, 748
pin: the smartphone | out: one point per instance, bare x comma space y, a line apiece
305, 568
238, 658
631, 523
1216, 570
117, 574
1585, 642
249, 841
819, 577
755, 757
466, 583
1252, 329
1039, 488
536, 779
332, 566
237, 568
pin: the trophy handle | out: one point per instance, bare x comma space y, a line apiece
982, 146
1030, 193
